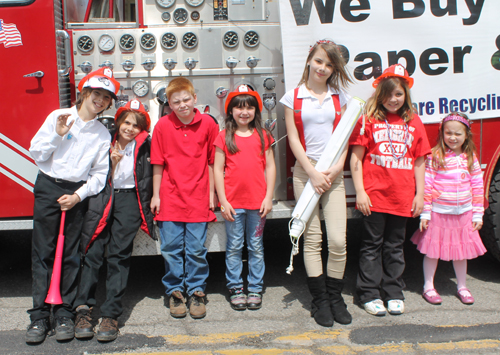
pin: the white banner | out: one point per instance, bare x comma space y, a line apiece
450, 47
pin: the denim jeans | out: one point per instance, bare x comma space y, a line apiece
179, 239
249, 223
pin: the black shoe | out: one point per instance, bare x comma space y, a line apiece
83, 323
339, 308
108, 329
320, 303
37, 331
65, 328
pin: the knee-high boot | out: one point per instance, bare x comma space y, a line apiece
320, 303
338, 306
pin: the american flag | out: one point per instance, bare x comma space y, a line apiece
9, 35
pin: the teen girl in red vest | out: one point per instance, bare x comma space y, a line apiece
311, 113
113, 219
389, 145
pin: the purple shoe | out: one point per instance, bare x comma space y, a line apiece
434, 299
465, 296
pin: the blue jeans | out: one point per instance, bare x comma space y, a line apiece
178, 239
250, 223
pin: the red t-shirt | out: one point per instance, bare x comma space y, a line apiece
244, 177
185, 151
390, 183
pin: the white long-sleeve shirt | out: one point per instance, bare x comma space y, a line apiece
82, 154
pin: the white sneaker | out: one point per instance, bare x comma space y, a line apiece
375, 307
395, 307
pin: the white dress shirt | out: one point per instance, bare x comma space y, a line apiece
124, 170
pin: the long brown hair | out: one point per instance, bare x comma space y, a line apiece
375, 105
469, 148
340, 76
231, 125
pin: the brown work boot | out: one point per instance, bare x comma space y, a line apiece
177, 305
196, 305
108, 329
83, 323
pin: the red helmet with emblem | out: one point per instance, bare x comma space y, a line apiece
243, 90
101, 79
395, 70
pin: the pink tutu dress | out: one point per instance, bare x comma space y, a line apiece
449, 237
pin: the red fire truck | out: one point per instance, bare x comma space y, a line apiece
47, 47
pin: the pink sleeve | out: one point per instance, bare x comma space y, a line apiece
157, 145
213, 132
430, 175
422, 146
219, 141
477, 192
356, 137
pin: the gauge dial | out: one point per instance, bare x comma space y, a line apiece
127, 42
195, 15
106, 43
165, 3
148, 41
189, 40
85, 43
180, 15
252, 38
168, 40
140, 88
194, 3
165, 16
231, 39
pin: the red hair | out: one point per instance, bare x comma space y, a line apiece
179, 84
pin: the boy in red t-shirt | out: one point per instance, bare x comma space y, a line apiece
182, 154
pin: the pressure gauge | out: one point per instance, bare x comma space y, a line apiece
106, 43
195, 15
140, 88
127, 42
189, 40
168, 40
148, 41
231, 39
165, 16
180, 15
194, 3
251, 38
165, 3
85, 43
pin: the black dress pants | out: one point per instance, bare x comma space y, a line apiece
381, 258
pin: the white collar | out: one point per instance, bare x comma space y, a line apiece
304, 92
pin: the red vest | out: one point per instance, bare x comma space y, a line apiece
297, 114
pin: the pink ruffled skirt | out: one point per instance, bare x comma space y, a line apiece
449, 237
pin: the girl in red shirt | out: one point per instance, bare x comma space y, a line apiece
245, 174
389, 145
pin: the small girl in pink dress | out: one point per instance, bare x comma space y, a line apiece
453, 206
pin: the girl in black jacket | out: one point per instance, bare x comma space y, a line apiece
113, 220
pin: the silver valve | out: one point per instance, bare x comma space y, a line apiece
232, 62
169, 64
37, 74
128, 65
221, 92
270, 124
252, 61
86, 67
190, 63
269, 103
149, 64
106, 63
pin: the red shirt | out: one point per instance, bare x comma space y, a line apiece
244, 172
390, 183
185, 151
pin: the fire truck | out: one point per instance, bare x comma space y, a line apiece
49, 46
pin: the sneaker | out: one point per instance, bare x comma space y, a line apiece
196, 305
254, 300
108, 329
238, 299
395, 307
375, 307
177, 305
65, 328
37, 331
83, 323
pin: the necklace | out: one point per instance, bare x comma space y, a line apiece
389, 133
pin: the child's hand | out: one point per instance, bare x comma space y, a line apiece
227, 211
266, 207
333, 172
424, 223
214, 201
363, 203
115, 154
61, 125
155, 205
67, 202
477, 225
417, 206
320, 181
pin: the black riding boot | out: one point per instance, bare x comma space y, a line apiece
320, 303
339, 308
